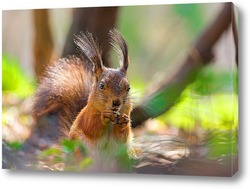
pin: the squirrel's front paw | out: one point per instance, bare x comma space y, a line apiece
122, 128
122, 120
108, 116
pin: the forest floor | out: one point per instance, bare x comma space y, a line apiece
162, 149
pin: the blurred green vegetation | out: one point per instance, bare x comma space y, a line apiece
64, 154
15, 145
222, 144
16, 88
211, 100
73, 156
193, 15
14, 78
157, 35
210, 103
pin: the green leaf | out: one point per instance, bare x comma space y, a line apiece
68, 146
85, 163
15, 145
124, 161
13, 78
50, 152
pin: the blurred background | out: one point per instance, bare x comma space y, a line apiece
204, 112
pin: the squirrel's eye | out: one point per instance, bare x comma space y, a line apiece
128, 89
101, 85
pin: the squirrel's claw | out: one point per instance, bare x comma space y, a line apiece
122, 120
108, 116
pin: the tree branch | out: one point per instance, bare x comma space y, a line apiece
161, 99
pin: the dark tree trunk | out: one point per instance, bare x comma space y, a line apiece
43, 42
98, 21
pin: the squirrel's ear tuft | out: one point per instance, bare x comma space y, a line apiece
90, 49
120, 45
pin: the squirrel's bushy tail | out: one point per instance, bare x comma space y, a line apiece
63, 91
67, 84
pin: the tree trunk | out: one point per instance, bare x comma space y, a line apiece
98, 21
43, 43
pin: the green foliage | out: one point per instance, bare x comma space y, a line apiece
210, 112
211, 102
68, 146
128, 15
50, 152
72, 155
193, 16
13, 78
131, 26
214, 80
123, 158
65, 154
16, 145
222, 144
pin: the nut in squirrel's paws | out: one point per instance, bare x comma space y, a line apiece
121, 120
108, 116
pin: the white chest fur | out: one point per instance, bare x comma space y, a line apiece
105, 152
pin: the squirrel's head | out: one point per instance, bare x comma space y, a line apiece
111, 87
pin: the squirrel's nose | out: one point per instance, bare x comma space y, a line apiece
116, 103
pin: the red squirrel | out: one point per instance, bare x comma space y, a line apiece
93, 101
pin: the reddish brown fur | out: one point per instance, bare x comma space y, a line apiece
85, 110
64, 90
89, 124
